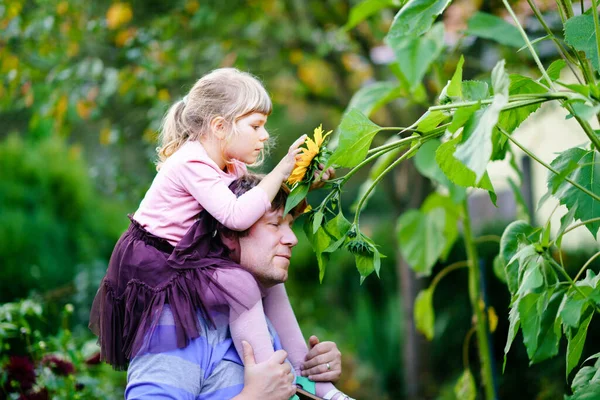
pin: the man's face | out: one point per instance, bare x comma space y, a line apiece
266, 250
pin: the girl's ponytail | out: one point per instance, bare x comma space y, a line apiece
173, 133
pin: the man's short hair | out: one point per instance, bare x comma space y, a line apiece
247, 182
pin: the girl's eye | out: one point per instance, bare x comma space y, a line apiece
256, 127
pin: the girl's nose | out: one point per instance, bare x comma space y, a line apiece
264, 135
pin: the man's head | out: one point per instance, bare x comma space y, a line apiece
265, 249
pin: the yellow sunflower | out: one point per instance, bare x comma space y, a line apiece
309, 152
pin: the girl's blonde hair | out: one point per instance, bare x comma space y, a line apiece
226, 92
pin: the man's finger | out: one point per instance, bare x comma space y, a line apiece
248, 354
279, 356
313, 362
319, 348
330, 376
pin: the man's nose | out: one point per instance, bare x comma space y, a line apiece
289, 237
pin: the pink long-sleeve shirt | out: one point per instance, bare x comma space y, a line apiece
190, 181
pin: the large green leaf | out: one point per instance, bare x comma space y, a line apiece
424, 313
453, 89
365, 9
549, 332
571, 308
465, 387
461, 116
580, 33
297, 194
514, 324
476, 149
421, 238
576, 341
356, 134
319, 241
370, 98
511, 119
430, 120
587, 174
530, 321
452, 212
489, 26
416, 18
475, 90
416, 53
456, 171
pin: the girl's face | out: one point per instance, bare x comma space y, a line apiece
247, 145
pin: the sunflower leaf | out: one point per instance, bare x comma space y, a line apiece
297, 194
356, 133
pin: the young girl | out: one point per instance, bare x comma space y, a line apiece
207, 139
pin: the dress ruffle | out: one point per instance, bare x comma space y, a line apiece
145, 273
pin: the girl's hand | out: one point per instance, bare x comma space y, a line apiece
328, 174
319, 358
287, 163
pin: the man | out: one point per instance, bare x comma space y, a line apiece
209, 367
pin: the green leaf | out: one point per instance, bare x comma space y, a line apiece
584, 111
424, 313
356, 135
369, 99
488, 26
319, 241
430, 120
416, 18
475, 90
476, 149
571, 308
512, 119
530, 321
465, 387
549, 332
421, 239
554, 70
436, 200
338, 226
453, 90
297, 194
416, 53
576, 341
580, 33
365, 9
317, 220
515, 322
426, 165
587, 175
365, 264
565, 221
461, 116
499, 268
456, 171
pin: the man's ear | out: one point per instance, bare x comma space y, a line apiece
232, 242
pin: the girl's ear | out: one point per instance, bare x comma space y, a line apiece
218, 127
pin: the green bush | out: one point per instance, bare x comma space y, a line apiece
53, 223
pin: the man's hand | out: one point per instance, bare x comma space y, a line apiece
271, 379
319, 355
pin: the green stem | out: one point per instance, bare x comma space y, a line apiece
588, 221
487, 238
476, 297
530, 154
385, 149
529, 45
391, 146
596, 28
588, 262
446, 271
466, 347
572, 283
380, 177
563, 52
514, 101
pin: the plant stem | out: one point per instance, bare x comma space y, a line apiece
529, 45
572, 283
588, 221
487, 238
384, 149
476, 297
565, 55
446, 271
391, 146
466, 347
514, 101
380, 177
530, 154
587, 263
